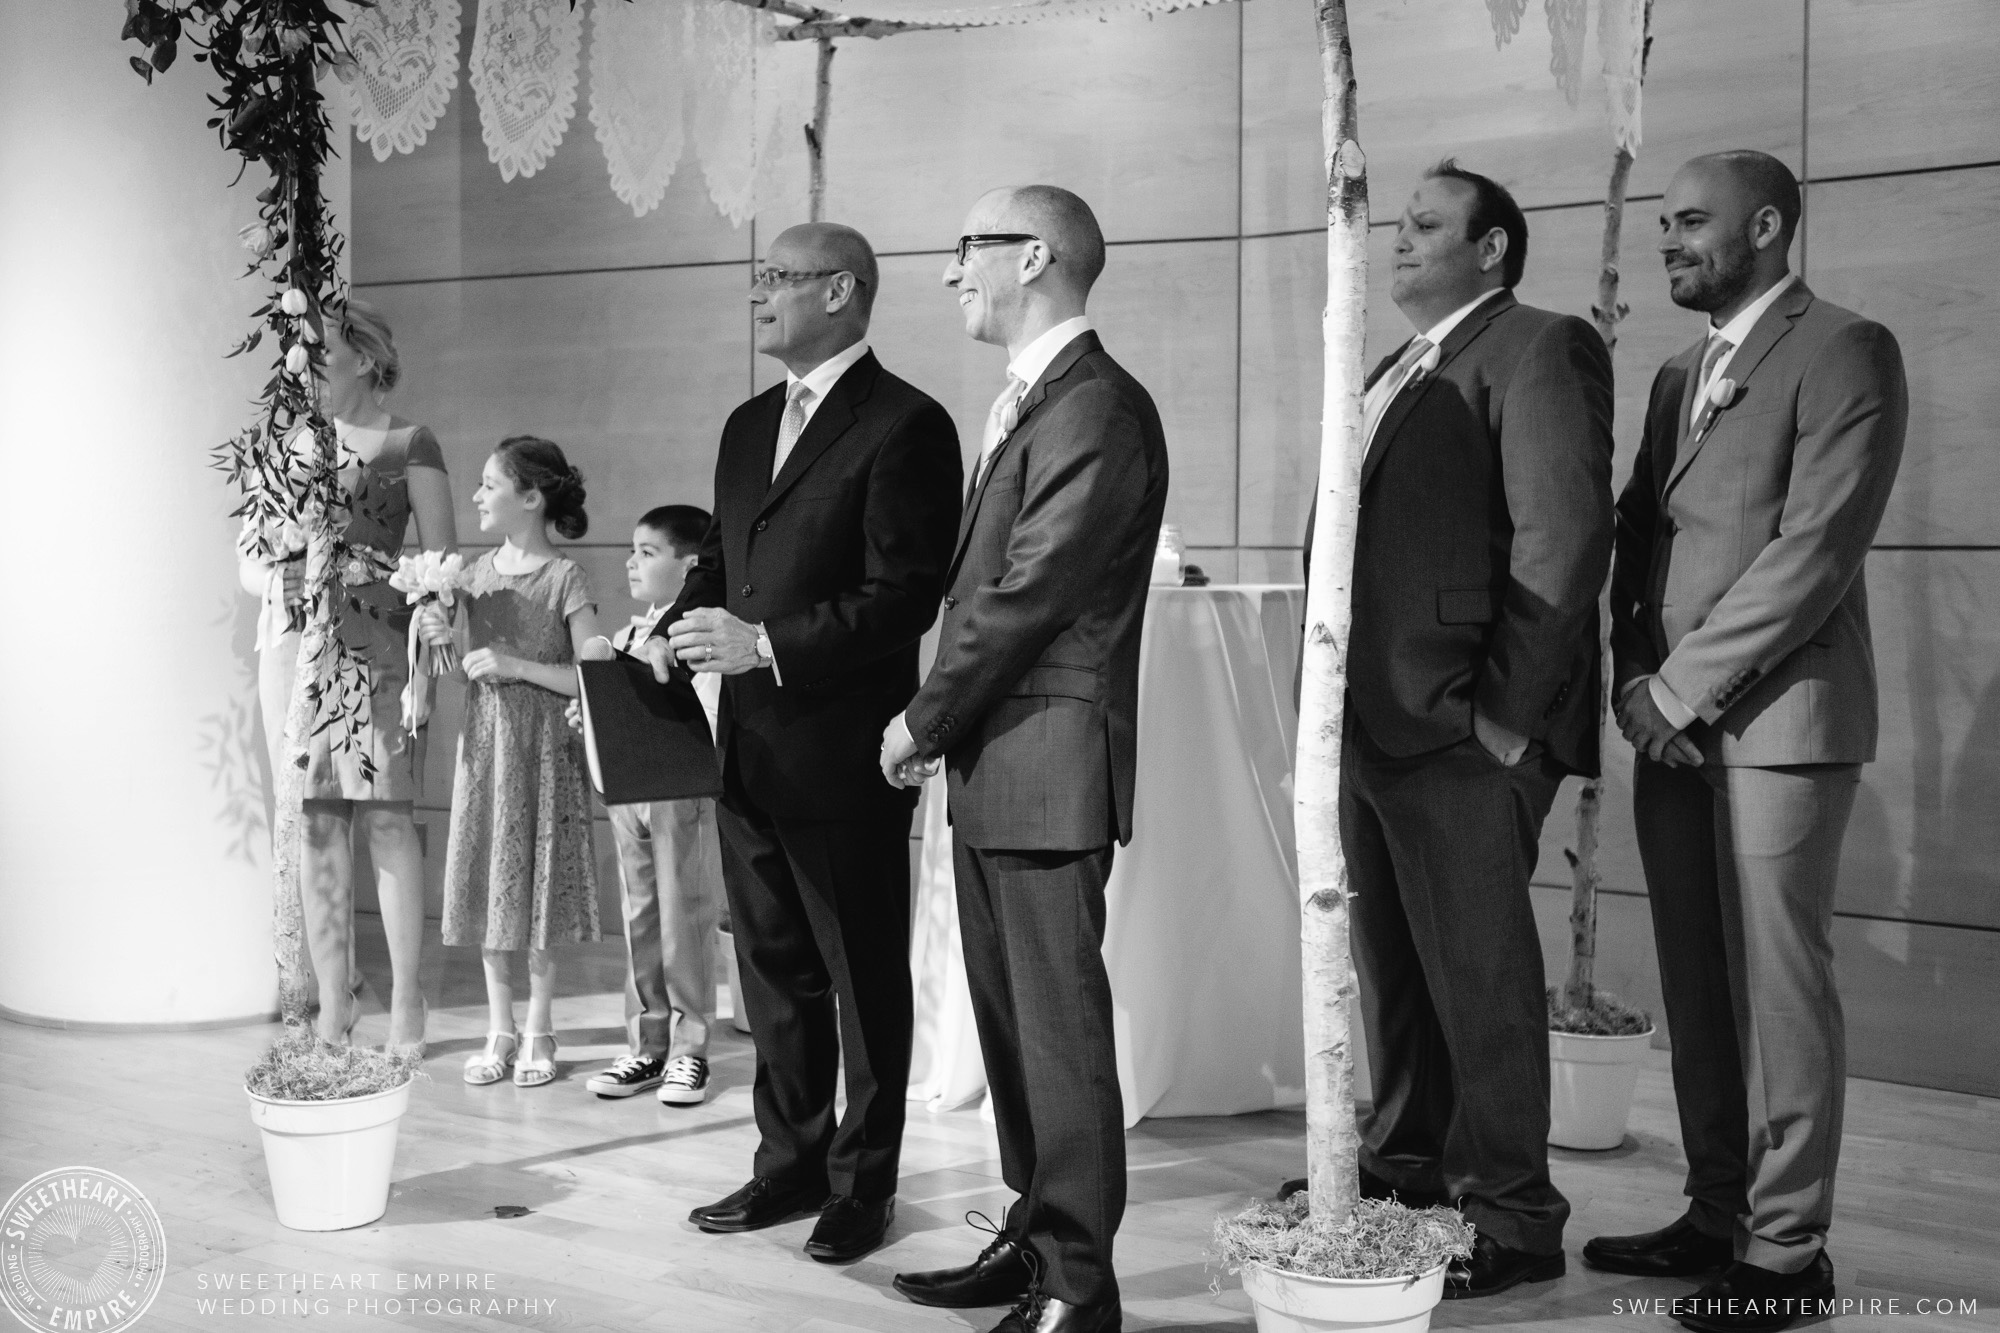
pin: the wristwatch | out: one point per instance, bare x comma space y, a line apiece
765, 657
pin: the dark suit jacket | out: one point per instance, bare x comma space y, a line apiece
1485, 534
842, 558
1034, 697
1740, 552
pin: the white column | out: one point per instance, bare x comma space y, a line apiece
134, 802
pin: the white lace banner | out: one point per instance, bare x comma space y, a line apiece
523, 68
721, 42
990, 13
1568, 21
407, 54
638, 86
1621, 40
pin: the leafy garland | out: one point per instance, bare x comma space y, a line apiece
268, 55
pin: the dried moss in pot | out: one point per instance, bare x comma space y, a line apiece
1381, 1238
302, 1067
1605, 1016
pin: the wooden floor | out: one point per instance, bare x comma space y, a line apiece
605, 1243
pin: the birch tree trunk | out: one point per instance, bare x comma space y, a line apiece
1580, 987
1332, 1139
816, 132
1585, 880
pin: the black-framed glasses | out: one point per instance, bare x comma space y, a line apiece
966, 243
771, 277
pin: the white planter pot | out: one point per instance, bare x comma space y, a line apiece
1296, 1303
330, 1161
725, 944
1590, 1087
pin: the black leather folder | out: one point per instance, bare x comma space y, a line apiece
644, 741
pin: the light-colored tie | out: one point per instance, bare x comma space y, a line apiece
1718, 347
1000, 423
1394, 383
792, 425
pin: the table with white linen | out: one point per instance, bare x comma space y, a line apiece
1201, 933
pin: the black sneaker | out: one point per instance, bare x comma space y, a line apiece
632, 1073
685, 1082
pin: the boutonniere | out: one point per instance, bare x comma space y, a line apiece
1721, 395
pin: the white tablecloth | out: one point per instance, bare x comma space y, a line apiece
1202, 926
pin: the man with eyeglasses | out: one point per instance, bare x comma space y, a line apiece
836, 496
1032, 705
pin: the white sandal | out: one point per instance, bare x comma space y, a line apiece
490, 1065
532, 1073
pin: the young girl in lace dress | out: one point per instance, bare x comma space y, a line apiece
519, 870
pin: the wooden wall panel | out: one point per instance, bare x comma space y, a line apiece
1136, 114
1904, 250
407, 210
1918, 1002
1923, 844
1145, 305
1898, 84
632, 373
1724, 74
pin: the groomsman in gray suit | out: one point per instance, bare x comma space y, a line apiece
1472, 688
1745, 679
1033, 705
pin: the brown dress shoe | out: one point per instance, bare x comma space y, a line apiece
1749, 1299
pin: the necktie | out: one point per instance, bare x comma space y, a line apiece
1718, 347
1000, 423
1391, 385
792, 425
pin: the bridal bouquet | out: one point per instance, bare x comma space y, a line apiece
431, 576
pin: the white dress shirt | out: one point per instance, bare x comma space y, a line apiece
1028, 367
1383, 392
1734, 332
819, 381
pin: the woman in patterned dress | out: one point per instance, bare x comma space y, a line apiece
391, 470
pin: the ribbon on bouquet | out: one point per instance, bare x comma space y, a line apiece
429, 577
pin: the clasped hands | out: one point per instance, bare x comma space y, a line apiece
492, 663
707, 638
1649, 730
901, 766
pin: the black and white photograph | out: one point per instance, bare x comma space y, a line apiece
1000, 666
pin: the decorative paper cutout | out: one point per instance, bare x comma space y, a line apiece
407, 53
638, 84
1621, 40
523, 68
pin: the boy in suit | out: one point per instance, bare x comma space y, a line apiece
669, 865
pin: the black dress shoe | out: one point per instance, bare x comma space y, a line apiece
1494, 1267
1045, 1314
764, 1202
1374, 1187
1676, 1250
1001, 1274
1749, 1299
848, 1228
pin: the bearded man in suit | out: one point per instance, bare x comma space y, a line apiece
1473, 667
836, 496
1745, 680
1033, 706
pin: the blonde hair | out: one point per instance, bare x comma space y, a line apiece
367, 332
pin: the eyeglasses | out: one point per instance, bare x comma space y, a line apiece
966, 243
769, 278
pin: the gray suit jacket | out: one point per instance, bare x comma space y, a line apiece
1034, 697
1738, 575
1484, 536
